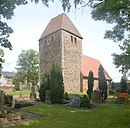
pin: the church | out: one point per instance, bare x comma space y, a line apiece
61, 43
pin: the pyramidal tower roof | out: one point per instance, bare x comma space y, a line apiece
60, 22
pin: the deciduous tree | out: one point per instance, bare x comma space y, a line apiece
28, 66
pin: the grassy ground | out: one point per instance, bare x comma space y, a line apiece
24, 92
56, 116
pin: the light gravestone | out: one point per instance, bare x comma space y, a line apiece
32, 94
13, 103
20, 95
75, 102
20, 86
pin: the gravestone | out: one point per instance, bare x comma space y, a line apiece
20, 86
48, 100
32, 94
75, 102
20, 95
30, 85
121, 100
13, 103
96, 96
2, 95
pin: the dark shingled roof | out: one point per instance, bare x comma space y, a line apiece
60, 22
9, 74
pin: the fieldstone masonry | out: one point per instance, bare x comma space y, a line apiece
62, 43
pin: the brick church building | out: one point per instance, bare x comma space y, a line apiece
61, 43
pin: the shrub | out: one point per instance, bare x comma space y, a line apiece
85, 101
66, 96
8, 99
56, 86
123, 84
111, 92
102, 83
45, 85
90, 84
128, 91
53, 81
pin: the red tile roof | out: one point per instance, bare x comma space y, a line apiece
91, 64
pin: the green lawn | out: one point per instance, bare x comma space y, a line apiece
55, 116
24, 92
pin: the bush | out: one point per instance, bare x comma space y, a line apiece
45, 85
8, 99
123, 84
53, 81
85, 101
66, 96
128, 91
111, 92
90, 84
56, 86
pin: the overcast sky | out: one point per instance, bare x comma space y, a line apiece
30, 20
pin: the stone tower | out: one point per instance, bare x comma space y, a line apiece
61, 43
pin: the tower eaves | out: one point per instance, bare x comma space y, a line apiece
60, 22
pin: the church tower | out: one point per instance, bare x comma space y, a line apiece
61, 43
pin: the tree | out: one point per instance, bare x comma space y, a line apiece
118, 14
56, 85
1, 59
52, 81
122, 60
123, 84
7, 8
28, 67
45, 85
102, 83
90, 84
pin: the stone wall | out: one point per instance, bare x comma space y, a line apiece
71, 61
60, 48
85, 85
50, 51
95, 87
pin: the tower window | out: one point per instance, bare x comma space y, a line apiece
45, 41
71, 38
52, 38
75, 40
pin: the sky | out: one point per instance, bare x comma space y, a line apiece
29, 22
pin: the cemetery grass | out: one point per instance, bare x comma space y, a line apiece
24, 92
15, 93
58, 116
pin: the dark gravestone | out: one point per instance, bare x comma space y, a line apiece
2, 96
96, 96
75, 102
33, 94
121, 100
47, 100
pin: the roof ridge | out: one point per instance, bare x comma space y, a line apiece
93, 58
60, 22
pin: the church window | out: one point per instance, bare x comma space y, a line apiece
75, 40
52, 38
71, 38
45, 41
